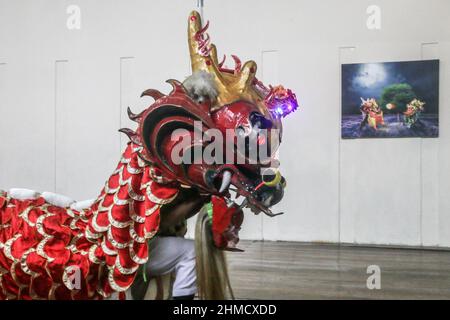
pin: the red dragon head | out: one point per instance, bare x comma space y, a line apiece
222, 145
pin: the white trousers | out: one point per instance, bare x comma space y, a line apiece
174, 254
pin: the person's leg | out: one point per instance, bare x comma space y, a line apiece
185, 284
174, 254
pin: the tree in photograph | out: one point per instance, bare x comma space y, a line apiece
395, 97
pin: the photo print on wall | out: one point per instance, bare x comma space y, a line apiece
390, 100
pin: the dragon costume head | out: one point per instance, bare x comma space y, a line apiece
221, 145
415, 106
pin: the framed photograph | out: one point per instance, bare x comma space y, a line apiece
390, 100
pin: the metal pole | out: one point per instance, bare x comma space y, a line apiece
200, 4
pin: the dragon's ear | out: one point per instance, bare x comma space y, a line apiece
165, 116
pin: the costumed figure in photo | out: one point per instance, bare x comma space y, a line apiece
372, 114
54, 248
413, 111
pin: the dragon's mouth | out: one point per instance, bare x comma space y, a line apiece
261, 188
260, 191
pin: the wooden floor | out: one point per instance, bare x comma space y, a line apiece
292, 270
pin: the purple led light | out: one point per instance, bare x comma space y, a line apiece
281, 102
285, 106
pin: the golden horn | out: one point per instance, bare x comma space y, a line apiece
198, 61
247, 74
230, 87
213, 54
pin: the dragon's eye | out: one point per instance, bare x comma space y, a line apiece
259, 121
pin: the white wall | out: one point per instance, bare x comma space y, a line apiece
64, 93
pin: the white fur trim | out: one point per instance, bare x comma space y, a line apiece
201, 84
80, 205
52, 198
57, 199
23, 194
